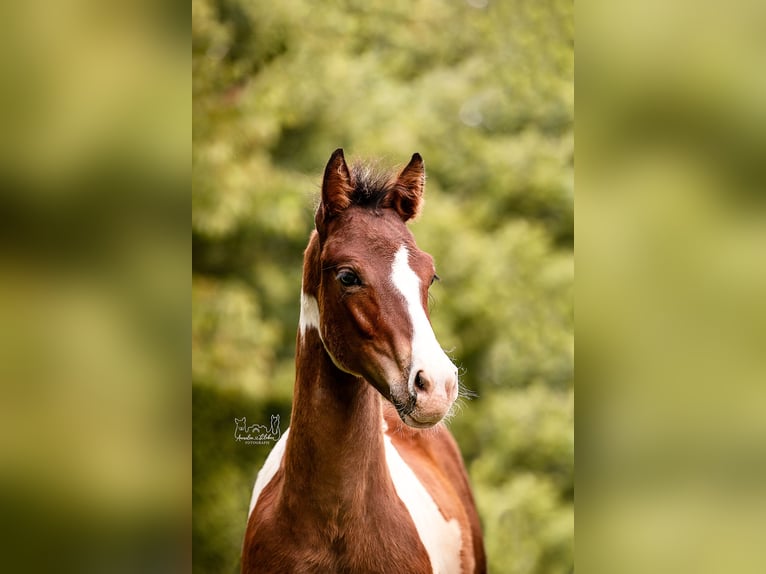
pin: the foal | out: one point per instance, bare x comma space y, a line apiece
355, 485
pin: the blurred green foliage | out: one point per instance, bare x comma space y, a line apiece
484, 91
671, 314
94, 299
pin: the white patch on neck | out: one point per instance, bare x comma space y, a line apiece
441, 538
309, 313
309, 319
427, 354
270, 468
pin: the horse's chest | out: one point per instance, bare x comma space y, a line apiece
441, 537
377, 543
410, 537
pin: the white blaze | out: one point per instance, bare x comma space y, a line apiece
427, 354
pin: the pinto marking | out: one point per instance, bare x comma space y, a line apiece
270, 468
442, 538
309, 318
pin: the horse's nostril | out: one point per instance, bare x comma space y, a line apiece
419, 384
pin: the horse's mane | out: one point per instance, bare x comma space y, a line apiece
373, 186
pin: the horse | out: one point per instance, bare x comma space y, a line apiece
366, 479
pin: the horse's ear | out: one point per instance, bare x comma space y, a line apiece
336, 188
409, 188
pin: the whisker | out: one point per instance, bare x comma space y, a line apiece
465, 393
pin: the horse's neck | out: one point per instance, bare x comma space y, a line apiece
335, 448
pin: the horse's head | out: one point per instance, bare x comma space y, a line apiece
365, 287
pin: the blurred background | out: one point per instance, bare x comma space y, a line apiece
484, 91
95, 139
671, 278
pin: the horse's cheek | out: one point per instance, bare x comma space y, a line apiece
363, 318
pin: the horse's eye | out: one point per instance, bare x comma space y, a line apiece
348, 278
434, 278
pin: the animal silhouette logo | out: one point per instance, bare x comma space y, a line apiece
255, 433
274, 430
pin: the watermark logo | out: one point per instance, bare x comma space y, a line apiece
255, 433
